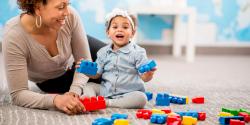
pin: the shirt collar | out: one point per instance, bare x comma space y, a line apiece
125, 49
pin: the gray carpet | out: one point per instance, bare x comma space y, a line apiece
223, 81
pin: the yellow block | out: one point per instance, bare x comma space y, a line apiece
188, 120
224, 114
121, 122
157, 111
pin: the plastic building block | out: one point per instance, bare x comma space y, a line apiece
121, 122
87, 67
223, 114
149, 95
166, 110
158, 118
244, 110
162, 99
157, 111
147, 67
226, 120
118, 116
201, 116
188, 120
173, 120
102, 121
178, 99
143, 113
93, 103
236, 122
188, 113
245, 115
234, 112
198, 100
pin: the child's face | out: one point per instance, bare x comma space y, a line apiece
120, 31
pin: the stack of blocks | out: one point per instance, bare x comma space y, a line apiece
233, 116
87, 67
162, 99
93, 103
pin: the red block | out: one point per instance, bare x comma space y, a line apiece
201, 116
143, 113
198, 100
173, 120
167, 110
236, 122
93, 103
245, 115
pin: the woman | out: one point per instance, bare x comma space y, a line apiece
37, 46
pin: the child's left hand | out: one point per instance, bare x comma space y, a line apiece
147, 76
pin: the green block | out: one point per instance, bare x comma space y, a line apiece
234, 112
246, 111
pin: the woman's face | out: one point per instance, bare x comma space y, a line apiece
54, 13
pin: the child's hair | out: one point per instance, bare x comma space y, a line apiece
119, 12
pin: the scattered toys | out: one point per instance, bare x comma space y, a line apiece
102, 121
162, 99
158, 118
149, 95
198, 100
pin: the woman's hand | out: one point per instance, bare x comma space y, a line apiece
147, 76
69, 104
78, 63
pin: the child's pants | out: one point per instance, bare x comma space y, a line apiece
135, 99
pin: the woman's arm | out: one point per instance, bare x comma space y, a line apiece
80, 49
15, 56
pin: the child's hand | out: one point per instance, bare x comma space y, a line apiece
147, 76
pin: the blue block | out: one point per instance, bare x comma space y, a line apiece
149, 95
147, 67
193, 114
87, 67
177, 100
102, 121
118, 116
226, 120
158, 118
162, 99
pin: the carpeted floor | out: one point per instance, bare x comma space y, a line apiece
224, 81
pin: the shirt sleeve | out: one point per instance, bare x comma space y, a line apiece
140, 57
14, 55
100, 60
80, 49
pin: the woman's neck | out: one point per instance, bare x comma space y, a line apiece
28, 22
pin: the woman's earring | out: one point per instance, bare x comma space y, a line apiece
38, 25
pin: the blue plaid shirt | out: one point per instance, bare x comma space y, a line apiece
119, 69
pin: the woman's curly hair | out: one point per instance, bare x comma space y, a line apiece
28, 6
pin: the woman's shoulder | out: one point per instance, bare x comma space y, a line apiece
13, 34
12, 26
73, 17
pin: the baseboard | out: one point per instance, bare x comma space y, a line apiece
200, 50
